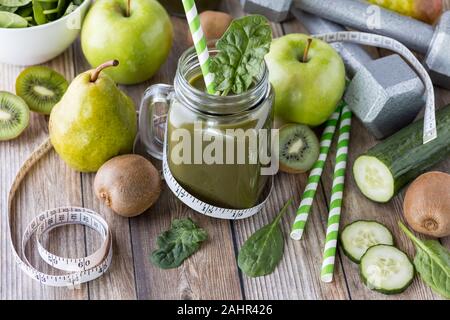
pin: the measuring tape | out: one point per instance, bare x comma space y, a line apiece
85, 269
207, 209
370, 39
79, 270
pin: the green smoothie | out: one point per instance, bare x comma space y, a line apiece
229, 185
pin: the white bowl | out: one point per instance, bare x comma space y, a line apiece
34, 45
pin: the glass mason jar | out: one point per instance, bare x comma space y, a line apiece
194, 115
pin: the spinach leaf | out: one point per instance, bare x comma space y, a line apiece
240, 59
177, 243
14, 3
432, 262
26, 11
12, 20
8, 9
262, 252
38, 13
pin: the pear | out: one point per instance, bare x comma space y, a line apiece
93, 122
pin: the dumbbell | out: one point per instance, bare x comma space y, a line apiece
416, 35
276, 11
385, 93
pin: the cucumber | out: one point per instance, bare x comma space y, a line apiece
386, 269
360, 235
383, 170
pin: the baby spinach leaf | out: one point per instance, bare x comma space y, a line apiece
432, 262
11, 20
38, 13
262, 252
177, 243
26, 11
14, 3
8, 9
240, 59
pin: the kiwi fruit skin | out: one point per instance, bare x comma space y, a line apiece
214, 24
286, 133
14, 116
41, 87
128, 184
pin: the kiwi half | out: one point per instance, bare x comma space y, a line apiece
14, 116
41, 88
299, 148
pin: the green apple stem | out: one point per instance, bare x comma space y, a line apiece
107, 64
305, 53
128, 8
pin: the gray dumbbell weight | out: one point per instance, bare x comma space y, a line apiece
385, 94
418, 36
274, 10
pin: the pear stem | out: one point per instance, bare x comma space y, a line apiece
128, 8
305, 53
107, 64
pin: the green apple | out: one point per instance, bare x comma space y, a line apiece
140, 37
305, 91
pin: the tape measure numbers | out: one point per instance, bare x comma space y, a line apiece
375, 40
80, 270
88, 268
207, 209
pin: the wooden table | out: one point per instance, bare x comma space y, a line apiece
211, 273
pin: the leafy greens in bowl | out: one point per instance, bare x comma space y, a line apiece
40, 43
29, 13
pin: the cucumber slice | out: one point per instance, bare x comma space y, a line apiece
373, 178
360, 235
386, 269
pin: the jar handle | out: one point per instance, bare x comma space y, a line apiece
152, 124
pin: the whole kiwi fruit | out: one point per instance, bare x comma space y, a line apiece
128, 184
214, 24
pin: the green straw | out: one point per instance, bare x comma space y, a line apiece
314, 176
337, 192
199, 40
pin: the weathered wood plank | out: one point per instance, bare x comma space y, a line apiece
211, 273
50, 184
298, 275
118, 282
356, 207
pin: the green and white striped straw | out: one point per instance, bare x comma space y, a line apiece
199, 40
314, 176
337, 192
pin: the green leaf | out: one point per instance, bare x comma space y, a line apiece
177, 243
432, 262
14, 3
240, 59
38, 13
26, 11
8, 9
262, 252
11, 20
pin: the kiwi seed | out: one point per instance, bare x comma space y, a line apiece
41, 88
14, 116
299, 148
